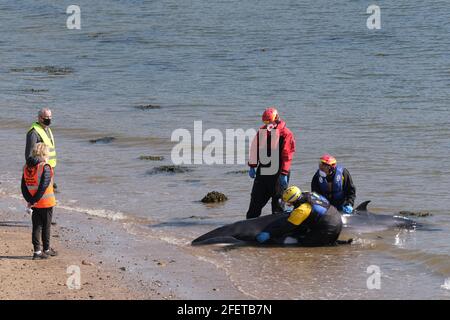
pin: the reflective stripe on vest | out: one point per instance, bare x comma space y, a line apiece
48, 141
319, 204
337, 189
32, 176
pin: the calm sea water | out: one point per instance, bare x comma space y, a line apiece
379, 100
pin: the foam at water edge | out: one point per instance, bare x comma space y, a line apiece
102, 213
446, 284
175, 241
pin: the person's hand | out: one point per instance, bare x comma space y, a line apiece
347, 209
252, 173
28, 209
283, 181
263, 237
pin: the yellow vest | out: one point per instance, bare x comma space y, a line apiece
48, 141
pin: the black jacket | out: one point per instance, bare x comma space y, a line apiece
43, 185
349, 189
32, 139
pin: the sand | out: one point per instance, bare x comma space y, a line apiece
113, 263
24, 278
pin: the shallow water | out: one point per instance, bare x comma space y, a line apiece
378, 100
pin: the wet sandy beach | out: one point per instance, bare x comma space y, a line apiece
110, 269
138, 71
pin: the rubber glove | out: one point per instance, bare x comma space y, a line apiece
252, 173
263, 237
283, 181
347, 209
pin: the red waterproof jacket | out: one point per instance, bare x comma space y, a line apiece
287, 146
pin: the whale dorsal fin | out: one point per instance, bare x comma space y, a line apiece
362, 206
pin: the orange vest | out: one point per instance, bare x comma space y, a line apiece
32, 176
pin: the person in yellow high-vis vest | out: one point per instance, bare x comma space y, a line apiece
40, 132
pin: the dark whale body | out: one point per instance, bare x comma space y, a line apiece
246, 230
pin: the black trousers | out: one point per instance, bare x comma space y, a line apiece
264, 188
42, 221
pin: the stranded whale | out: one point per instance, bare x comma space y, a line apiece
246, 230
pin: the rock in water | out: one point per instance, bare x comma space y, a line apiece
52, 70
415, 214
169, 169
151, 158
214, 196
103, 140
148, 107
238, 172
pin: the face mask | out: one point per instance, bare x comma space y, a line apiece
47, 122
322, 174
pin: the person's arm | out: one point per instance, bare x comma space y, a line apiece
279, 227
315, 187
287, 153
26, 194
43, 184
349, 189
32, 139
285, 226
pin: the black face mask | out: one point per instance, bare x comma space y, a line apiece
47, 122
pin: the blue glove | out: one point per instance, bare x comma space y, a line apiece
283, 181
252, 173
263, 237
347, 209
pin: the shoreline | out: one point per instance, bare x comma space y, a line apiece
152, 270
25, 279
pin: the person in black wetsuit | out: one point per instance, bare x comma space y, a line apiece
312, 222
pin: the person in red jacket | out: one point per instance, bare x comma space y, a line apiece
270, 158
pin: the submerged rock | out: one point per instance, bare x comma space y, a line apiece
214, 196
238, 172
32, 90
151, 158
169, 169
103, 140
50, 70
148, 107
95, 35
415, 213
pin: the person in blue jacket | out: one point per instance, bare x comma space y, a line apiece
312, 222
334, 182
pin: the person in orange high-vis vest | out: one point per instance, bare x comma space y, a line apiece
37, 189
